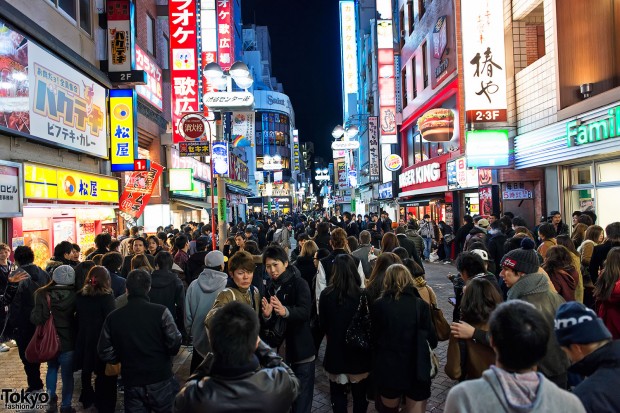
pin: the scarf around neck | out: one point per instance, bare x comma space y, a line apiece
529, 284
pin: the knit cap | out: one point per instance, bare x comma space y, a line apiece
577, 324
214, 259
64, 275
523, 259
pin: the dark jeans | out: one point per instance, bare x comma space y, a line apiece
33, 370
105, 393
156, 397
305, 375
338, 395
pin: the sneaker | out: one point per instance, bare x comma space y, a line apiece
447, 262
4, 348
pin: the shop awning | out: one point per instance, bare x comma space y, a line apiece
193, 204
238, 190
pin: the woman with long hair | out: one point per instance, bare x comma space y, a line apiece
469, 350
562, 272
389, 242
61, 294
374, 287
594, 236
140, 262
153, 245
567, 242
305, 262
607, 293
343, 364
95, 300
579, 234
401, 327
81, 271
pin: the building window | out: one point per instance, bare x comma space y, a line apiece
421, 9
402, 23
150, 35
410, 16
528, 38
78, 11
165, 57
414, 75
424, 65
403, 86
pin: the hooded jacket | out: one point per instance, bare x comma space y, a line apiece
488, 395
609, 311
199, 300
599, 391
62, 298
565, 282
195, 265
167, 289
534, 288
54, 263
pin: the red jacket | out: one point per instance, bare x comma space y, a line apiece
609, 311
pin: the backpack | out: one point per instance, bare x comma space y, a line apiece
277, 236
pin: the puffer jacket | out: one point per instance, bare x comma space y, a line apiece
63, 309
417, 239
265, 385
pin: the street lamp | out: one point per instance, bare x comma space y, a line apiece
223, 80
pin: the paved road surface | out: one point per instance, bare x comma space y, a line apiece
12, 374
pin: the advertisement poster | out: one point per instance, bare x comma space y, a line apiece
220, 158
120, 41
64, 231
138, 191
48, 99
486, 201
242, 129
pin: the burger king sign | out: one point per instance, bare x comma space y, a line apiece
393, 162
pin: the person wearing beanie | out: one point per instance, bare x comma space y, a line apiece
520, 272
62, 297
589, 346
199, 300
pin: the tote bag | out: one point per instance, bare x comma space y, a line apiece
45, 344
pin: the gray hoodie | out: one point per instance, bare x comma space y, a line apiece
199, 299
488, 395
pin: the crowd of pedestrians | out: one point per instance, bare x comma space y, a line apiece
536, 313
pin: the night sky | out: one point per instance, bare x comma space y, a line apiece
305, 54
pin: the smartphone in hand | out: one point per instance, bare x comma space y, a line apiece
452, 300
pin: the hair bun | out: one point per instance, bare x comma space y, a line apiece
528, 244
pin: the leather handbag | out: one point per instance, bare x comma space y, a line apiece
358, 332
442, 328
45, 344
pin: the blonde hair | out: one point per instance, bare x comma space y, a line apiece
141, 262
397, 278
309, 249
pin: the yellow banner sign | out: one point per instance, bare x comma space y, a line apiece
44, 182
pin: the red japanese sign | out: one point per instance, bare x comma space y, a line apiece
152, 91
225, 40
387, 85
184, 62
138, 190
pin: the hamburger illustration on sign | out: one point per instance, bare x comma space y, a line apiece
437, 125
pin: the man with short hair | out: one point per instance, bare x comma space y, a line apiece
285, 237
519, 334
138, 246
242, 374
587, 342
181, 257
408, 244
301, 240
134, 232
102, 242
350, 226
560, 227
375, 235
113, 261
63, 253
143, 337
239, 241
361, 253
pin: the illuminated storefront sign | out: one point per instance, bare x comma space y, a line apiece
208, 38
123, 136
387, 85
52, 184
424, 175
225, 39
11, 191
120, 35
180, 179
296, 162
594, 131
484, 59
348, 44
184, 64
152, 91
487, 148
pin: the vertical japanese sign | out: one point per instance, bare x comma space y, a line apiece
387, 85
374, 165
348, 46
225, 40
123, 136
341, 173
242, 129
120, 35
484, 60
296, 162
152, 91
137, 193
184, 64
208, 38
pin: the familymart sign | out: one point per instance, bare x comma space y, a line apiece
580, 134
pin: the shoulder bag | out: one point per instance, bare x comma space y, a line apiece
442, 328
45, 344
358, 332
427, 363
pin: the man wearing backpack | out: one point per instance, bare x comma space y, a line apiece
427, 232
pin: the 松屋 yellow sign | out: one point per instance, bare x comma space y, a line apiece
44, 182
122, 130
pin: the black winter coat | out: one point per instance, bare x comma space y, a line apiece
294, 293
461, 235
195, 265
599, 255
409, 245
335, 317
307, 269
23, 303
168, 290
395, 328
322, 241
495, 244
91, 313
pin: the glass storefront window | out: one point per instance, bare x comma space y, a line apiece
608, 172
581, 174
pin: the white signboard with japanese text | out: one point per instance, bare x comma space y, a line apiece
373, 148
348, 45
484, 60
152, 91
